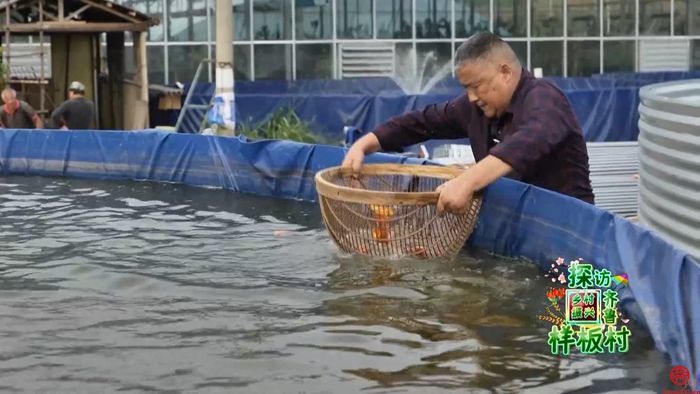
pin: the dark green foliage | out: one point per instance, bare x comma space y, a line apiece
284, 124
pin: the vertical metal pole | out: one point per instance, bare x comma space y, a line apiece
42, 88
565, 69
412, 15
292, 5
373, 21
453, 28
528, 34
251, 18
60, 10
94, 51
673, 17
601, 4
143, 66
166, 51
334, 32
636, 35
8, 47
224, 65
207, 11
415, 45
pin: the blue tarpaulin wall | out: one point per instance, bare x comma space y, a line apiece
606, 105
516, 220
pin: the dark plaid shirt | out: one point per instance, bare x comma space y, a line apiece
538, 135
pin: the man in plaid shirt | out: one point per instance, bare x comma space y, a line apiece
520, 127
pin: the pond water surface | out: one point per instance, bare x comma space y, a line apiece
125, 286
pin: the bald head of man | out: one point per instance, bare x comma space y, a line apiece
490, 71
9, 96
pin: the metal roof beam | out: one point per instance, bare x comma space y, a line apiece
76, 27
107, 8
77, 12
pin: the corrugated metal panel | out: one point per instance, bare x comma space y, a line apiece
25, 60
614, 170
669, 143
367, 59
664, 55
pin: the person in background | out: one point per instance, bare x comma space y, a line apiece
77, 112
17, 114
519, 126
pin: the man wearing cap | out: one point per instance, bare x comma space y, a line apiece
18, 114
77, 112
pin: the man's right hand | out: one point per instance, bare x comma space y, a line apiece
356, 155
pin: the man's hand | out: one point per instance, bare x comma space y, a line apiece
38, 122
455, 195
356, 155
354, 158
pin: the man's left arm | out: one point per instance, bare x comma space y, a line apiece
542, 130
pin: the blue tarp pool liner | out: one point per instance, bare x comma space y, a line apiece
516, 219
606, 113
606, 104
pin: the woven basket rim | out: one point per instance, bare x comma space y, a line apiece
328, 189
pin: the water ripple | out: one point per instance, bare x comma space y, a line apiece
142, 287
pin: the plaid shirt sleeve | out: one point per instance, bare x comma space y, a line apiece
543, 128
436, 121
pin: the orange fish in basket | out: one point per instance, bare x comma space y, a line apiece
382, 214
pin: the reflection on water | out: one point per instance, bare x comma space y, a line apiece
138, 286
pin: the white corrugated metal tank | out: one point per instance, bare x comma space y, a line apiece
669, 143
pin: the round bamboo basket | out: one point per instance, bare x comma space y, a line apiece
390, 210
